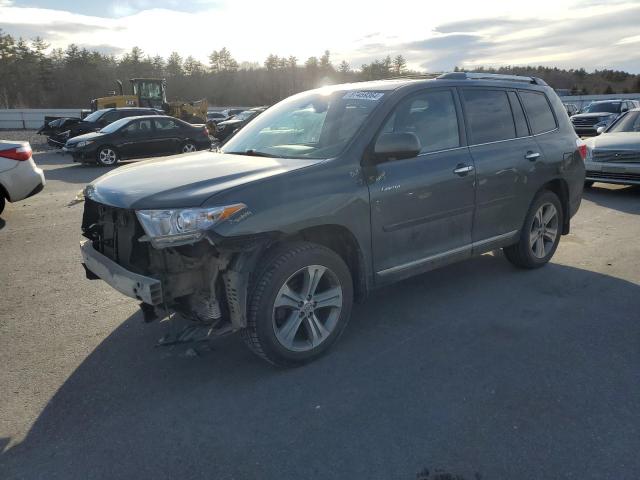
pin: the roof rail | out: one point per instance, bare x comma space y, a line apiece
490, 76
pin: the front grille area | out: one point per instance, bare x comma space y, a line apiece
585, 122
622, 177
620, 156
115, 233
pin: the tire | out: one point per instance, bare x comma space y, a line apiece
537, 243
297, 330
588, 183
107, 156
3, 202
188, 147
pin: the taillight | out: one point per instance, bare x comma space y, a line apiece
18, 153
205, 130
582, 148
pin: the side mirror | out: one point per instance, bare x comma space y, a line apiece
396, 146
599, 130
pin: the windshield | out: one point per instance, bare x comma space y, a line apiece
112, 127
606, 107
95, 116
317, 124
630, 122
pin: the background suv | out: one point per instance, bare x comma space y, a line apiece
332, 193
599, 114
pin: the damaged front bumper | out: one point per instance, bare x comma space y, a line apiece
140, 287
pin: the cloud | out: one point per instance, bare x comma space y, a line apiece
469, 33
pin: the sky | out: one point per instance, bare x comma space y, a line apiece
433, 36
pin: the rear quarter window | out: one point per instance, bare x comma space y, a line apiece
538, 111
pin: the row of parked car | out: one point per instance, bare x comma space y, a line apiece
612, 129
109, 135
597, 116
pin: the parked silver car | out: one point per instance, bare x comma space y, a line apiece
614, 155
19, 176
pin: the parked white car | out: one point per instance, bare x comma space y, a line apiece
20, 177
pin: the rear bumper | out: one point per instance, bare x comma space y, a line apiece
140, 287
23, 181
609, 172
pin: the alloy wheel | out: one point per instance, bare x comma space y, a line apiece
108, 156
307, 308
188, 148
544, 230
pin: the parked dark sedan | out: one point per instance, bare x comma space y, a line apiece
97, 120
137, 137
227, 128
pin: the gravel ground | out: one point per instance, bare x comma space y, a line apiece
38, 142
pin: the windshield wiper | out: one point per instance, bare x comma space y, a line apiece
255, 153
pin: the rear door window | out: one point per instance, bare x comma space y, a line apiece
488, 115
538, 111
165, 124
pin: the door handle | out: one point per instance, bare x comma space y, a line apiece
532, 156
462, 169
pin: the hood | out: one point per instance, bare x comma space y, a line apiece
615, 141
86, 136
594, 114
184, 180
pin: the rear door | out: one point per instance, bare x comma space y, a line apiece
138, 140
505, 156
168, 135
422, 207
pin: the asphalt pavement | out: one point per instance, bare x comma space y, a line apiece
474, 368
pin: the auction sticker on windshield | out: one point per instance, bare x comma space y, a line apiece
374, 96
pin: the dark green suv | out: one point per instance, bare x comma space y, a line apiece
332, 193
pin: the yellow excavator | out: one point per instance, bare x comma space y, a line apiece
152, 93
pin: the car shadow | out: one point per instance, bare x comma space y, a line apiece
474, 367
624, 198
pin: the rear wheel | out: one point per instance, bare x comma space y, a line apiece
107, 156
540, 234
2, 203
188, 147
299, 304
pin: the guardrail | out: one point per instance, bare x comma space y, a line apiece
18, 119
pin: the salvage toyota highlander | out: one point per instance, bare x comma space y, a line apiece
332, 193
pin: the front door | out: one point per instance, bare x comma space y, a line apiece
422, 207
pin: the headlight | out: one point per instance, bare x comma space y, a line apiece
167, 228
84, 143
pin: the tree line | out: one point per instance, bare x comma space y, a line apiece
34, 76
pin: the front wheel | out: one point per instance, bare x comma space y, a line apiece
2, 203
299, 304
540, 234
107, 157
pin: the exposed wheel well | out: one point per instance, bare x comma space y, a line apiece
340, 240
560, 187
